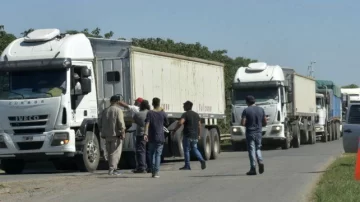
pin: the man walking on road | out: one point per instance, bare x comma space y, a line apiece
112, 127
253, 118
142, 154
192, 132
154, 133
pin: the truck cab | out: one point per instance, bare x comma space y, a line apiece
267, 84
43, 116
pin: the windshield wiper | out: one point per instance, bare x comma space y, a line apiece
16, 93
38, 91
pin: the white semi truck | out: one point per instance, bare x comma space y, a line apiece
287, 98
43, 118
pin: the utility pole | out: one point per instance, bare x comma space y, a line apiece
311, 70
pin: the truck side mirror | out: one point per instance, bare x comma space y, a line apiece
85, 72
85, 85
290, 97
228, 98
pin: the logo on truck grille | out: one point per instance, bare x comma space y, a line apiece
26, 118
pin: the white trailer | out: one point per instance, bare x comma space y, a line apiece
282, 94
44, 120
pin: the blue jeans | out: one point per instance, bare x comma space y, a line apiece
191, 145
253, 142
155, 154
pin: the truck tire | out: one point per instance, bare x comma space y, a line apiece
333, 131
12, 166
286, 144
89, 160
295, 135
177, 145
337, 126
330, 132
324, 136
205, 144
305, 139
312, 134
215, 143
238, 146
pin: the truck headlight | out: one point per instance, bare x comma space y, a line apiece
234, 130
275, 129
60, 139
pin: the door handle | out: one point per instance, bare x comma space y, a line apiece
347, 131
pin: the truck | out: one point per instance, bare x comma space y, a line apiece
43, 119
329, 110
351, 129
283, 94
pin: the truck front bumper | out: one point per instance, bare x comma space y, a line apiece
270, 134
56, 143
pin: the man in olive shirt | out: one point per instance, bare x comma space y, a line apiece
112, 127
192, 131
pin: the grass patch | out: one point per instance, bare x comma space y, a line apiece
338, 183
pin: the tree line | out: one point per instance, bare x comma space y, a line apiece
170, 46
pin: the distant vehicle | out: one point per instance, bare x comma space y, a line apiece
286, 98
329, 110
351, 129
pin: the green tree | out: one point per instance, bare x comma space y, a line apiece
351, 86
5, 38
26, 32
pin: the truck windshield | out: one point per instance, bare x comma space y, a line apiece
32, 84
354, 114
262, 95
318, 102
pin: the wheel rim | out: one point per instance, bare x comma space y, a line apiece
91, 151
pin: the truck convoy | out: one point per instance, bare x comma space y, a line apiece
43, 118
286, 99
329, 110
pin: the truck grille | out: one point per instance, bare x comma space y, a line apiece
30, 145
28, 124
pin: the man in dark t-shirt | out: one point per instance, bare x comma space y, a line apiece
253, 118
191, 131
154, 133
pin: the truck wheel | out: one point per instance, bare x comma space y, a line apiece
177, 146
215, 144
205, 144
286, 144
12, 166
89, 160
337, 126
312, 134
305, 139
238, 146
333, 131
324, 137
296, 135
330, 132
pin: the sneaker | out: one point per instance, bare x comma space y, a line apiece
261, 168
203, 165
139, 171
114, 172
185, 168
251, 172
156, 175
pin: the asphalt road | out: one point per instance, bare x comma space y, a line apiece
289, 176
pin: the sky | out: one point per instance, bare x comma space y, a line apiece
288, 33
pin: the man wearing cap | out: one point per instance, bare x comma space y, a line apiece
112, 127
192, 132
253, 118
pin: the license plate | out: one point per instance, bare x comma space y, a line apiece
28, 138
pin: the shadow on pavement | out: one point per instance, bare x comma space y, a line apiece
225, 175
